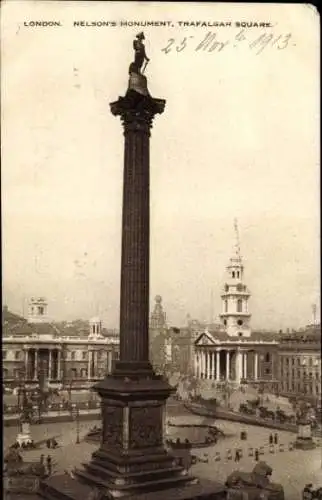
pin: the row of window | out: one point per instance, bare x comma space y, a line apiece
73, 373
300, 374
299, 388
290, 360
19, 355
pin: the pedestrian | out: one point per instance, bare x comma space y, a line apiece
275, 438
256, 455
48, 443
42, 459
271, 439
49, 465
237, 456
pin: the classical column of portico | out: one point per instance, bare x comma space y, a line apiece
50, 364
227, 365
110, 362
26, 363
245, 365
89, 365
255, 366
36, 364
217, 365
58, 365
213, 368
239, 367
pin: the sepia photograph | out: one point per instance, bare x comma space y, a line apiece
160, 185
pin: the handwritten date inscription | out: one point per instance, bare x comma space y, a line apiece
212, 43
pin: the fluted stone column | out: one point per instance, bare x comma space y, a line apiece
89, 365
137, 113
58, 365
36, 365
217, 365
50, 364
227, 365
255, 366
26, 364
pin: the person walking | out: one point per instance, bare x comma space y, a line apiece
275, 438
49, 465
256, 455
271, 439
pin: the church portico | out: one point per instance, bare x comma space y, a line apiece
236, 362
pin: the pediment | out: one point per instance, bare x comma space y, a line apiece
205, 339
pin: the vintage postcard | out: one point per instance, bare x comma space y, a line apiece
161, 240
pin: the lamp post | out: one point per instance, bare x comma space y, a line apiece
77, 426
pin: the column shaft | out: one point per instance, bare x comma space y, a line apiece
26, 364
227, 366
36, 365
50, 365
239, 361
255, 366
89, 365
134, 314
58, 365
217, 365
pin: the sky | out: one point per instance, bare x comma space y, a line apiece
239, 138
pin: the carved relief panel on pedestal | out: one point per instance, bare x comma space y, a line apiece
112, 425
145, 427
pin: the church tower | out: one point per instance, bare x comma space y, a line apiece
158, 316
37, 310
235, 316
95, 328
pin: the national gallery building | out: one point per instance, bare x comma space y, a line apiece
77, 353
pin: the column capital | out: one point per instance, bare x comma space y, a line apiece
137, 111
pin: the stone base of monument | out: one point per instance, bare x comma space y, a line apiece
132, 461
21, 485
24, 437
64, 487
303, 443
304, 439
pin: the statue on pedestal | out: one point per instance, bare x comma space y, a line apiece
139, 55
138, 81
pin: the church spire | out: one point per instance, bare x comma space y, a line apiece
237, 241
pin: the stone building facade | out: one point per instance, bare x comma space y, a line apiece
66, 353
300, 363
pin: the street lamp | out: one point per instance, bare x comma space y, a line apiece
77, 426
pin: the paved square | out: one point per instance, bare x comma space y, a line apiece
293, 469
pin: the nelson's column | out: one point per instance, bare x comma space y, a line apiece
132, 461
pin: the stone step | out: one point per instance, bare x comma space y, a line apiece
157, 484
94, 467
